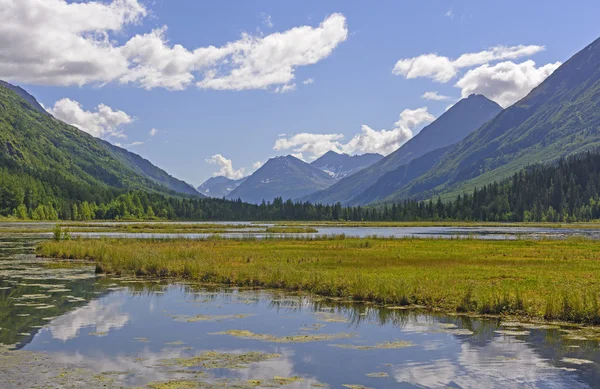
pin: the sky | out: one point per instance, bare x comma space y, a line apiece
204, 88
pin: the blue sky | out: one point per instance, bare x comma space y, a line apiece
340, 71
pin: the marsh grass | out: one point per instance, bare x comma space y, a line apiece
539, 279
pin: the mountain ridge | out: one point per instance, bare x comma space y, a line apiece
457, 122
558, 118
343, 165
285, 176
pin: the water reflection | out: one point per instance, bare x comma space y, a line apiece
97, 315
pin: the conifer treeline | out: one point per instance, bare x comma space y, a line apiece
566, 191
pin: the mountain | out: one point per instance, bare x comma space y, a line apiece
219, 187
66, 161
25, 96
340, 166
146, 168
133, 162
559, 118
454, 125
286, 177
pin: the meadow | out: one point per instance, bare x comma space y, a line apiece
537, 279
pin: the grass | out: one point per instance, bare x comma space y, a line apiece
545, 279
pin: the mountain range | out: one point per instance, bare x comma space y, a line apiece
474, 143
287, 177
455, 124
219, 186
558, 118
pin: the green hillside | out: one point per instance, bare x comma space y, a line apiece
43, 160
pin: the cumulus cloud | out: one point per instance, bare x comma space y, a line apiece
506, 82
153, 132
312, 146
72, 43
308, 81
434, 96
450, 14
443, 69
104, 122
226, 167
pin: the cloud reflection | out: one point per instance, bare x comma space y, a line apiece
101, 316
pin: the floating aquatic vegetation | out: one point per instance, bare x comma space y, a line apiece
192, 319
48, 306
458, 331
378, 375
32, 297
98, 333
302, 338
529, 326
512, 332
576, 361
274, 382
331, 317
382, 346
176, 384
355, 386
218, 360
447, 325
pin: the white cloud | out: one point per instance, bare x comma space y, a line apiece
285, 88
153, 132
266, 20
261, 62
443, 69
102, 123
136, 143
506, 82
368, 141
226, 167
308, 81
73, 43
434, 96
450, 14
227, 170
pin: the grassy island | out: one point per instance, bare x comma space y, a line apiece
539, 279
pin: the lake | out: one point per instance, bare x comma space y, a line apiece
66, 326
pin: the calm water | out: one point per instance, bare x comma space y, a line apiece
68, 327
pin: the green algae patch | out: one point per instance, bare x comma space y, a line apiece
197, 318
355, 386
301, 338
378, 375
218, 360
379, 346
99, 333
